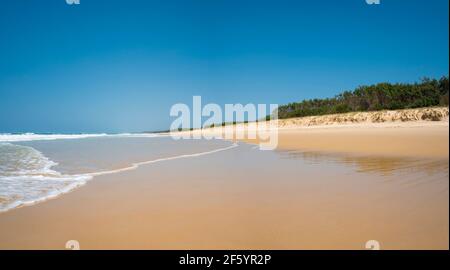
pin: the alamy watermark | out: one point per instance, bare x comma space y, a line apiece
370, 245
373, 2
254, 122
73, 2
73, 245
373, 245
369, 2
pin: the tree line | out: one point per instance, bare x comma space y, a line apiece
381, 96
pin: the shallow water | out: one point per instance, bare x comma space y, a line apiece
33, 171
240, 197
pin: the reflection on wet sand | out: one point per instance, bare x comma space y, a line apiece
373, 164
245, 198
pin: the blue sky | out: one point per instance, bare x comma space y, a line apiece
119, 65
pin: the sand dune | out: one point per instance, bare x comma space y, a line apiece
407, 115
248, 199
422, 132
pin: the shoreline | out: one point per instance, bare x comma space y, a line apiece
428, 139
327, 139
91, 176
181, 204
220, 201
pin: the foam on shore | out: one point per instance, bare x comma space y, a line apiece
24, 137
27, 177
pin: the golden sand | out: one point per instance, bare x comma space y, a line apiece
215, 202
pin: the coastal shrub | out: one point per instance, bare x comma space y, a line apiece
381, 96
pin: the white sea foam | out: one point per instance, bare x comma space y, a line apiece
35, 137
137, 164
7, 137
27, 177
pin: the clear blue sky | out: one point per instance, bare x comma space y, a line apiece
119, 65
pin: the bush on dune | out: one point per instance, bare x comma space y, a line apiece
381, 96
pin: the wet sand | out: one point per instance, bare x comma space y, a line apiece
244, 198
408, 140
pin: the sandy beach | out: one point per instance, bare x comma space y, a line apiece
236, 126
419, 132
392, 133
325, 187
403, 139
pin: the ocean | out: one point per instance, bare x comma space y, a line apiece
228, 194
37, 167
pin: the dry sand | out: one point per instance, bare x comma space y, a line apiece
405, 139
411, 132
422, 132
222, 202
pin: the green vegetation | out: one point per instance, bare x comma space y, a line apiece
382, 96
